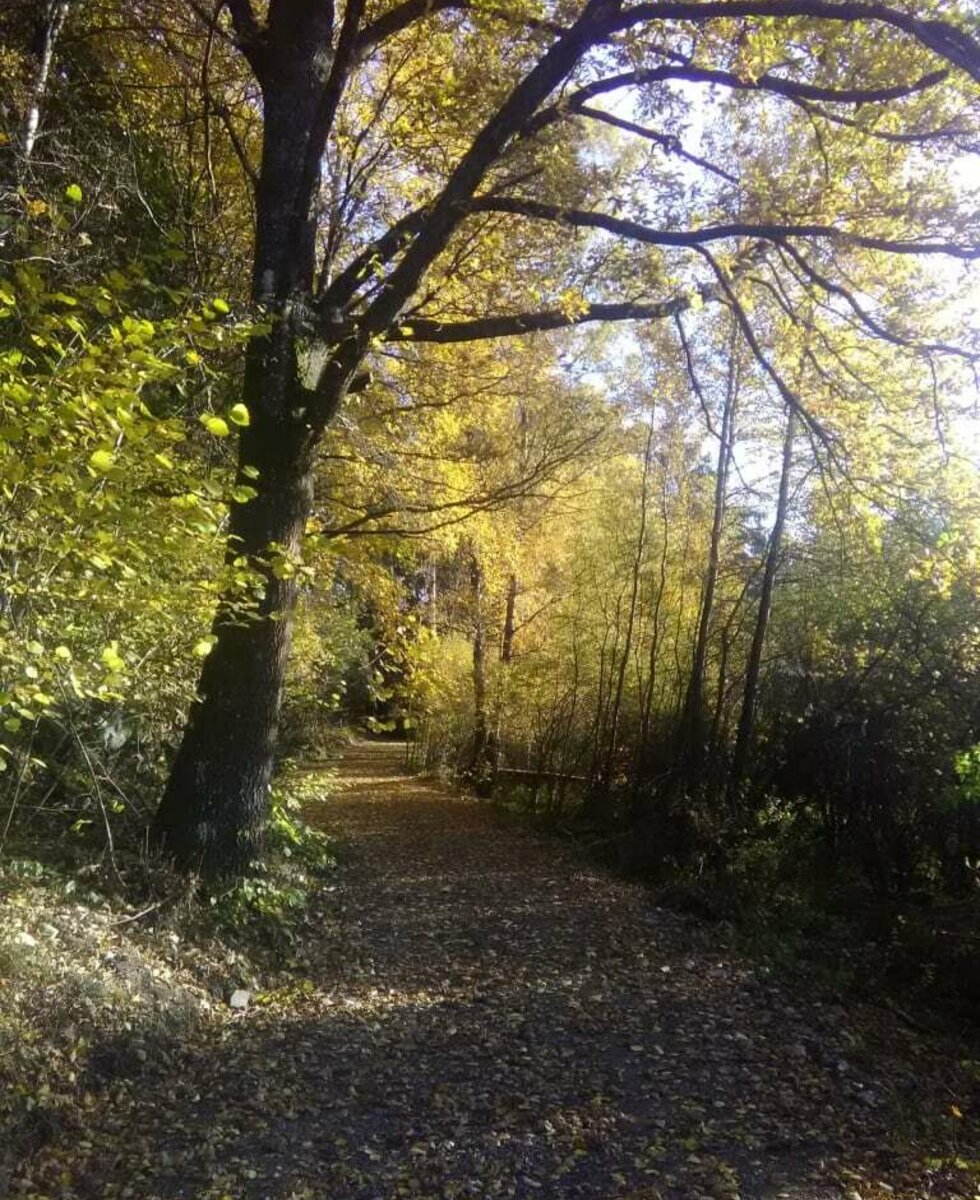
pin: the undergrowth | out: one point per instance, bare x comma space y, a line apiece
110, 964
268, 909
801, 917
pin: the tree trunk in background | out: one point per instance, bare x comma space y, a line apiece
507, 641
641, 540
643, 757
50, 24
502, 690
693, 729
729, 633
746, 722
481, 758
433, 598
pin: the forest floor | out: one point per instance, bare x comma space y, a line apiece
483, 1013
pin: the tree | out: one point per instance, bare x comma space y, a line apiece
695, 724
340, 260
746, 720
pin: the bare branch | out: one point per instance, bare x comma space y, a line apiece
671, 144
517, 324
790, 397
691, 238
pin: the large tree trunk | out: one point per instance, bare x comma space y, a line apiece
214, 809
215, 805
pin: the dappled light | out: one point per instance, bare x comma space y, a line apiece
489, 590
561, 1034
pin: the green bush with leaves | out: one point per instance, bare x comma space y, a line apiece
114, 483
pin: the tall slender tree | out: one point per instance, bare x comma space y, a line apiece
753, 670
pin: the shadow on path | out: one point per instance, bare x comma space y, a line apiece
492, 1017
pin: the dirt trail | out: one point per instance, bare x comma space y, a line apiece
491, 1016
519, 1023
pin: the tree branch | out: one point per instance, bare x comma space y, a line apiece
397, 237
516, 324
224, 114
249, 34
866, 319
399, 18
690, 238
407, 13
450, 208
671, 144
342, 60
790, 397
950, 43
773, 84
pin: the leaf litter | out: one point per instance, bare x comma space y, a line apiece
476, 1011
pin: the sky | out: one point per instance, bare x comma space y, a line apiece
961, 281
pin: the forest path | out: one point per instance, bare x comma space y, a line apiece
503, 1019
488, 1015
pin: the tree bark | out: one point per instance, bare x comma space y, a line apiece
213, 812
48, 30
510, 628
214, 808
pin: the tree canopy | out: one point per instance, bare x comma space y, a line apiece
591, 386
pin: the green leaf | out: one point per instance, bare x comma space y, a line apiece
216, 425
221, 306
112, 659
102, 461
238, 413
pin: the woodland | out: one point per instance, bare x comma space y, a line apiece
581, 392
